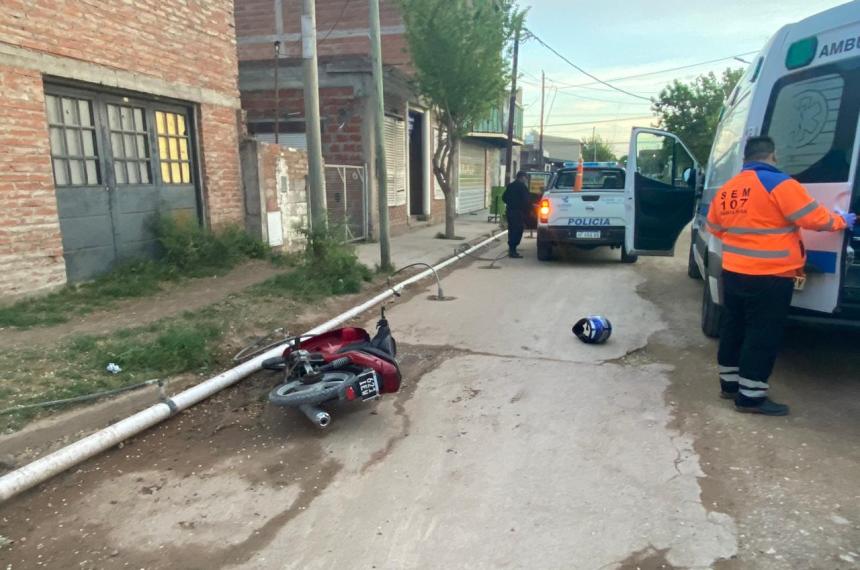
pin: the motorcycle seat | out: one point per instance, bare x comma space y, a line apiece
368, 348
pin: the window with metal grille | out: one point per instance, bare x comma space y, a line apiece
173, 145
129, 142
73, 141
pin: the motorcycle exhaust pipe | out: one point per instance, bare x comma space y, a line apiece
319, 418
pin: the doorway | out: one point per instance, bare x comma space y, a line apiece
416, 164
119, 162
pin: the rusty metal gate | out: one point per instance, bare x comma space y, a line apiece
346, 200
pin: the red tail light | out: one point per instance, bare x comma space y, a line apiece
350, 394
543, 211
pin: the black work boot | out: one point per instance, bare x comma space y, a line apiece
765, 407
514, 254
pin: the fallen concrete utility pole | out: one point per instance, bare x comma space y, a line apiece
43, 469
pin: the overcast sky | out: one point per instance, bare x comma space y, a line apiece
619, 38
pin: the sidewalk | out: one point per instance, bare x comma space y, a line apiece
423, 245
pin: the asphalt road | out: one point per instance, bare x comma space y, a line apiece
512, 445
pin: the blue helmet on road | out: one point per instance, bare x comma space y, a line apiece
593, 330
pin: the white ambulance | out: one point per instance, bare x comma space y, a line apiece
803, 90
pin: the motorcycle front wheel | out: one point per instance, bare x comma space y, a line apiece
295, 393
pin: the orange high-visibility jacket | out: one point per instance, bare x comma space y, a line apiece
758, 215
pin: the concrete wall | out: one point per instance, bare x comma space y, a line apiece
181, 49
274, 181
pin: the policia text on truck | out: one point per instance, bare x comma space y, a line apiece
758, 215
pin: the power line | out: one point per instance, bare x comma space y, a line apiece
661, 71
336, 22
618, 120
552, 104
585, 98
597, 79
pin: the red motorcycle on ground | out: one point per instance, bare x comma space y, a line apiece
341, 365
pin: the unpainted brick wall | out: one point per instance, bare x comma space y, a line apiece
187, 43
257, 18
31, 252
340, 114
219, 134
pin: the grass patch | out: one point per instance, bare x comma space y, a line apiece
127, 281
195, 341
178, 348
189, 251
183, 344
327, 267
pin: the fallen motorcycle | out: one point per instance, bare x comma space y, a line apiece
341, 365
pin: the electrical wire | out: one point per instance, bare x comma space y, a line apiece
618, 120
659, 72
84, 398
584, 72
551, 105
337, 22
585, 98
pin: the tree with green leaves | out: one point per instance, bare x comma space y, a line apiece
459, 50
692, 110
597, 147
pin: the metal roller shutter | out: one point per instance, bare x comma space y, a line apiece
470, 197
395, 160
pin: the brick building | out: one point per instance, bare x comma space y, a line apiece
345, 85
111, 113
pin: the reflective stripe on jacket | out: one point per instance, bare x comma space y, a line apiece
758, 215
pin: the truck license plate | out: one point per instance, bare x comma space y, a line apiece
588, 235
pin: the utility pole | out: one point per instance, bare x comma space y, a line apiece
277, 90
542, 101
316, 176
512, 109
594, 141
379, 129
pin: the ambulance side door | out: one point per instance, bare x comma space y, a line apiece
659, 192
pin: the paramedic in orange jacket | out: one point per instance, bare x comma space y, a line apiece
758, 215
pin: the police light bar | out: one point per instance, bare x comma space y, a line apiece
590, 164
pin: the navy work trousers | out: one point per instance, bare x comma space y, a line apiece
516, 225
755, 308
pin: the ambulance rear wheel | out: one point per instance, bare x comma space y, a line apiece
711, 312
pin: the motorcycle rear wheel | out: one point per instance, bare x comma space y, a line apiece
295, 393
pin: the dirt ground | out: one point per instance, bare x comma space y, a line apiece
173, 300
233, 479
230, 446
792, 483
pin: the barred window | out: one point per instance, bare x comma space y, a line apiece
73, 141
173, 145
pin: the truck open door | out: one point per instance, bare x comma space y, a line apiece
659, 192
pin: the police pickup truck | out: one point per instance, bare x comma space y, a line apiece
587, 218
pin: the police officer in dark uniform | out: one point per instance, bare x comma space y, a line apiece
517, 201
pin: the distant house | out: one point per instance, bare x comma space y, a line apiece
111, 113
346, 110
559, 150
